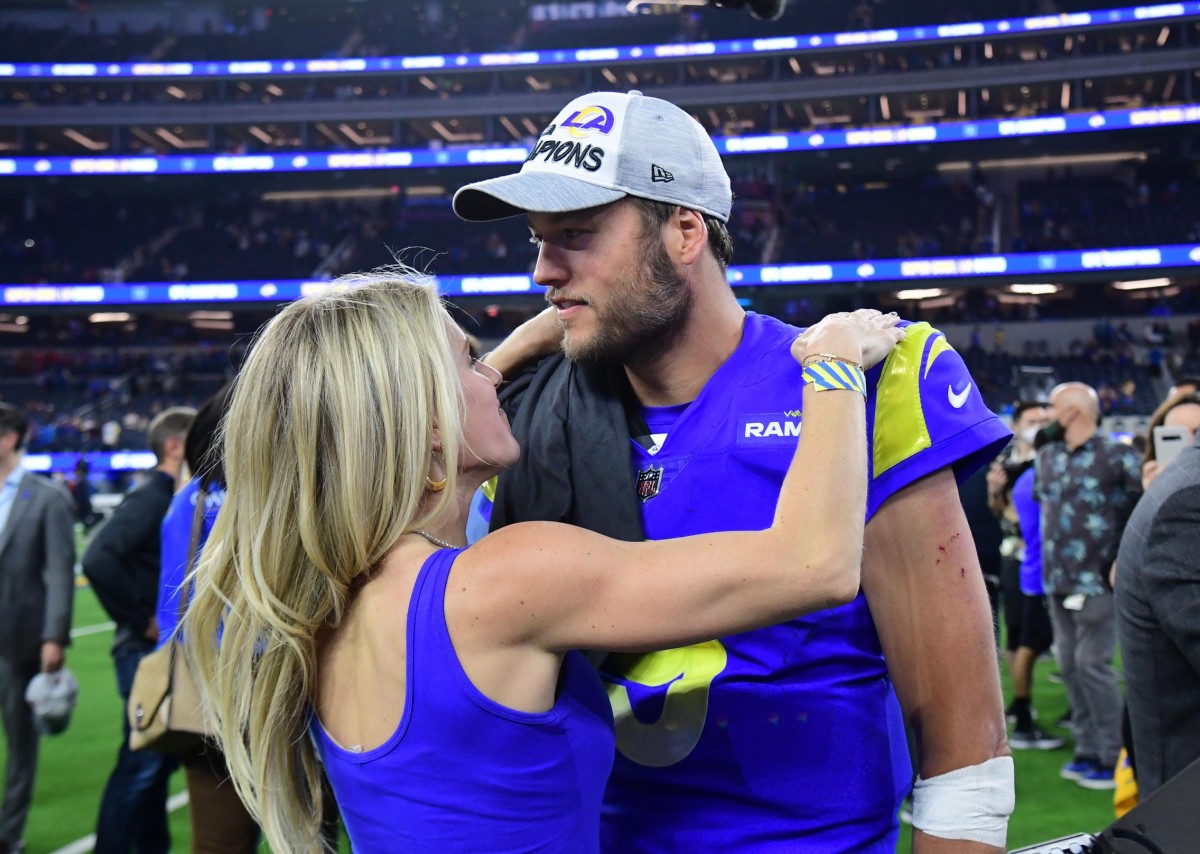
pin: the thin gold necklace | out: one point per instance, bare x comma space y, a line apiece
442, 543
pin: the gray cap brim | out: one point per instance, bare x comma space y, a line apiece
521, 192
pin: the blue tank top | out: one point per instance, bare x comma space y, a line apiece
463, 773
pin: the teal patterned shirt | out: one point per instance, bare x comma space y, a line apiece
1087, 495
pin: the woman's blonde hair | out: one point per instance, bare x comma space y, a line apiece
328, 441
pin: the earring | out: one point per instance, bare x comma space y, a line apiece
434, 485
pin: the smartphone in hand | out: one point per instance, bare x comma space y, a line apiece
1168, 442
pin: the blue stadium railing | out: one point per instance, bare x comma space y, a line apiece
969, 131
629, 53
1134, 261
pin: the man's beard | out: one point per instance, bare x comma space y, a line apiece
641, 318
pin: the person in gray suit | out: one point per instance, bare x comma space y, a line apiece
37, 588
1158, 622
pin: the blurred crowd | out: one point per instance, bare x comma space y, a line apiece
779, 218
378, 28
1080, 549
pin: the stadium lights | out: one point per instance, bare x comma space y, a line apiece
317, 195
763, 10
425, 191
1043, 161
919, 274
211, 315
11, 323
84, 140
1141, 284
451, 135
920, 293
1165, 293
439, 157
260, 134
1034, 290
176, 141
110, 317
948, 301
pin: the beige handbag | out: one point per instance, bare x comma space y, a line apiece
164, 705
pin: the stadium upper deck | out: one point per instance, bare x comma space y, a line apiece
842, 98
785, 77
210, 31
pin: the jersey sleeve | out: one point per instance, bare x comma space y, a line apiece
479, 518
926, 413
1028, 509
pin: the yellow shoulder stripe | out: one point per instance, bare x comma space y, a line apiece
900, 429
940, 346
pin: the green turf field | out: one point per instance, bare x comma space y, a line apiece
75, 765
1047, 805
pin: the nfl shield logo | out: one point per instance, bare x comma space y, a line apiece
648, 482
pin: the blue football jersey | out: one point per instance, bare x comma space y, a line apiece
790, 737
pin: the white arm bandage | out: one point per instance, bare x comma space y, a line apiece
971, 803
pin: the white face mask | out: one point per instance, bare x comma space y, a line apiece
1027, 436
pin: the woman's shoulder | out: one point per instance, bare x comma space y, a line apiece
527, 543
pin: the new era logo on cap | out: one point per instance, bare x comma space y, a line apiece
659, 174
602, 147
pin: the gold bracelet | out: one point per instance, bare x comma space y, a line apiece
828, 357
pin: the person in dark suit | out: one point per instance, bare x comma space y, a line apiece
122, 563
37, 588
1158, 622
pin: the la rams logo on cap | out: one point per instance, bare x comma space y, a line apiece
582, 122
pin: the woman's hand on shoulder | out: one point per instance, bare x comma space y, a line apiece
539, 336
865, 336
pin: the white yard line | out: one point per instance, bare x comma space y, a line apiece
88, 843
84, 631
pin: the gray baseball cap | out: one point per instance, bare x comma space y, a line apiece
602, 147
52, 696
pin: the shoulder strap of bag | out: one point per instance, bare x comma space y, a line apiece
193, 546
185, 589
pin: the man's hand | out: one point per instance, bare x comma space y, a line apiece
151, 633
52, 656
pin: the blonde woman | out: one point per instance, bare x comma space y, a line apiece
441, 687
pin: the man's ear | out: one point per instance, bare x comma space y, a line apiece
686, 236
